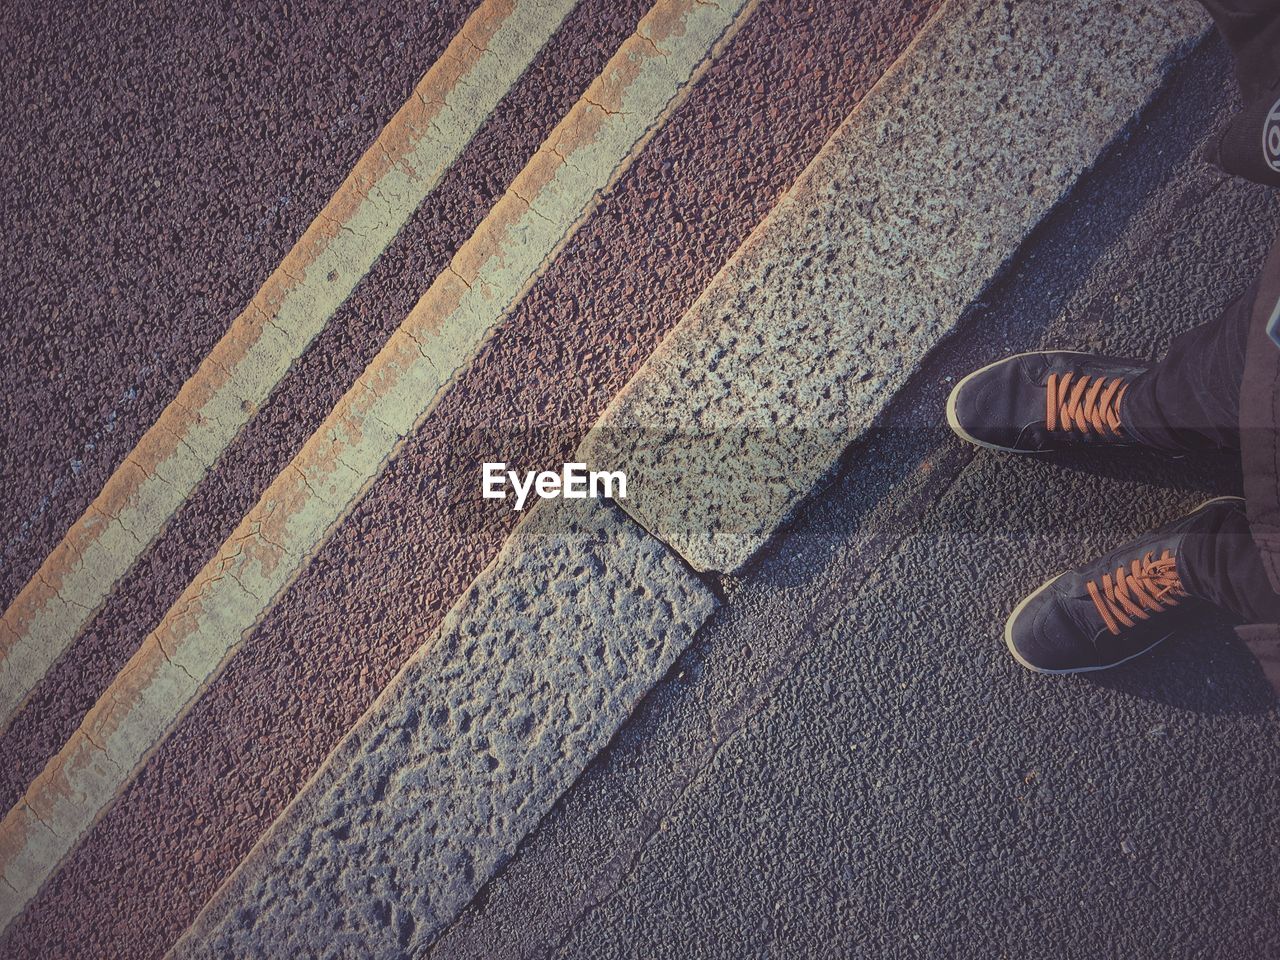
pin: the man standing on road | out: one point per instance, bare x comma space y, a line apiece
1218, 387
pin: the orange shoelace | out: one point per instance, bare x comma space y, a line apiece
1085, 403
1148, 586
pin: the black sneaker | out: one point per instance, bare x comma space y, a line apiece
1108, 611
1250, 145
1041, 402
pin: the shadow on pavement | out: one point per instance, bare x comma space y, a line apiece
1205, 669
1214, 475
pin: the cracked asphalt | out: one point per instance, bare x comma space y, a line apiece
848, 763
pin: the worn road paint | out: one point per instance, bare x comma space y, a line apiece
405, 163
647, 78
871, 259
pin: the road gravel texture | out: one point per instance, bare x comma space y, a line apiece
197, 256
869, 261
468, 747
310, 390
848, 763
160, 160
422, 534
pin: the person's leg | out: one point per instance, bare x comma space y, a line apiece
1189, 401
1123, 603
1260, 419
1251, 29
1220, 562
1249, 146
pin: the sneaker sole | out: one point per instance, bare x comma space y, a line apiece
954, 422
1008, 625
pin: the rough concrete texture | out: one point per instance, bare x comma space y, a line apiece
314, 385
337, 465
848, 763
897, 226
406, 162
423, 534
530, 675
161, 159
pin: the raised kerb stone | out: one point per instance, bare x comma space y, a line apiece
908, 213
529, 676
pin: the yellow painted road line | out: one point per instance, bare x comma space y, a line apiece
381, 193
649, 76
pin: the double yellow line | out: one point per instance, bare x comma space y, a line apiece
648, 77
403, 166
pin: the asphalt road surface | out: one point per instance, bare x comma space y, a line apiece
155, 203
848, 763
845, 761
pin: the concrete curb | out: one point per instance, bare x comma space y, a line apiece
872, 257
652, 72
526, 680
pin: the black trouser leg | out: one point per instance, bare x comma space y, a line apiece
1220, 563
1190, 400
1251, 29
